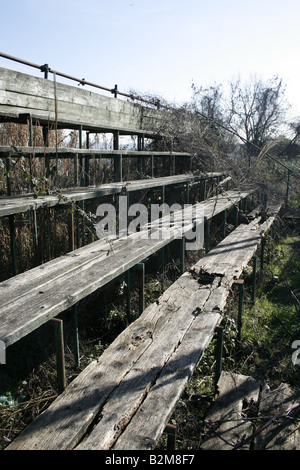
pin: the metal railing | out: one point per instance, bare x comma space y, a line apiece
81, 81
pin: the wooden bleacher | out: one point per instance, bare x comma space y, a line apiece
32, 298
123, 400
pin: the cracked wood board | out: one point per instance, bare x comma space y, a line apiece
127, 398
65, 422
225, 421
186, 282
149, 422
67, 282
283, 432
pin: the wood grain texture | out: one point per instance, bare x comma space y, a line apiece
24, 203
23, 93
137, 374
32, 298
226, 416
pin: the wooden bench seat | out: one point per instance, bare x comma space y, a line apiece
10, 205
32, 298
50, 102
124, 399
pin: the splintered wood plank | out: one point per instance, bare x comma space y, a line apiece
226, 422
144, 361
63, 283
132, 390
279, 419
64, 423
65, 288
147, 425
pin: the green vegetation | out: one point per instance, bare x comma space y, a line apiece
272, 324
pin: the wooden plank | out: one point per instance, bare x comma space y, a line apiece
245, 238
225, 421
22, 93
149, 422
139, 362
64, 423
145, 427
68, 282
127, 398
69, 151
45, 274
23, 203
278, 419
159, 332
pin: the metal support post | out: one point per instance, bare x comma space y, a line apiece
141, 268
207, 233
118, 168
236, 216
162, 268
71, 228
163, 194
262, 254
182, 255
29, 122
12, 230
128, 290
171, 431
8, 176
288, 186
173, 163
76, 170
60, 354
254, 277
204, 190
117, 158
219, 353
87, 170
76, 335
240, 284
187, 192
224, 223
81, 172
11, 220
81, 205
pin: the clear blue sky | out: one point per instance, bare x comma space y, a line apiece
157, 46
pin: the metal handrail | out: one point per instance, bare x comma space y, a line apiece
46, 69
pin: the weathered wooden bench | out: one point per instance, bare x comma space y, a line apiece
124, 399
30, 299
247, 414
10, 205
51, 103
31, 100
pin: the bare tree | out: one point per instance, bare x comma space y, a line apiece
257, 110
